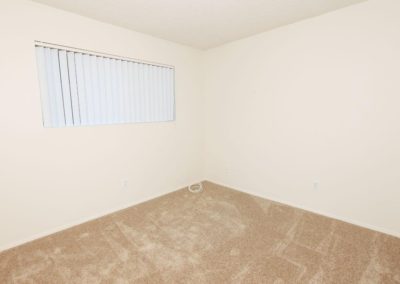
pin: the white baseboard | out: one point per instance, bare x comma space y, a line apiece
77, 222
125, 206
332, 216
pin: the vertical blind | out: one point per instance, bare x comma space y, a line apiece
79, 88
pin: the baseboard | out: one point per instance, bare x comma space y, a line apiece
332, 216
125, 206
78, 222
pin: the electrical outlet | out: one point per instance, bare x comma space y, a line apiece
124, 183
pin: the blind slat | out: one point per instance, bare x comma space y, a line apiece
73, 88
54, 87
80, 81
65, 88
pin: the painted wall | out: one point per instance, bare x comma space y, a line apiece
52, 178
309, 114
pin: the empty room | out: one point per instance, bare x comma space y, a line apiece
230, 141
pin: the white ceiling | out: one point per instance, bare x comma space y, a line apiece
200, 23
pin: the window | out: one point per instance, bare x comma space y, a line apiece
84, 88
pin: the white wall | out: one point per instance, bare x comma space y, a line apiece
52, 178
313, 101
318, 100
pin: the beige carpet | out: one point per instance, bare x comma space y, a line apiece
217, 236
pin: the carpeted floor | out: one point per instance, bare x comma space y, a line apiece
217, 236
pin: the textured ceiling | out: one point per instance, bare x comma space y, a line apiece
199, 23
